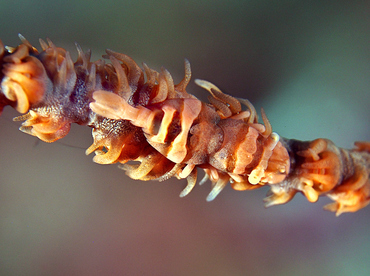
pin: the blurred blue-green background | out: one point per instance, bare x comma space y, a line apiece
306, 62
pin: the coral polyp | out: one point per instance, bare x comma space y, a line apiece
140, 115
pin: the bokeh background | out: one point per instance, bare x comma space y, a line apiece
305, 62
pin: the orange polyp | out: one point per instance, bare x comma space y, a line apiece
113, 147
47, 129
25, 80
349, 201
324, 169
362, 146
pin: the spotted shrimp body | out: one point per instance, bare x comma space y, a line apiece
189, 132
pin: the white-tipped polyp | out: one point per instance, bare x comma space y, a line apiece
219, 186
189, 187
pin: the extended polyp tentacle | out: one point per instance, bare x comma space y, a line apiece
123, 88
223, 110
107, 150
234, 104
218, 186
147, 164
181, 86
253, 118
83, 59
28, 44
175, 169
191, 181
43, 44
65, 78
135, 75
91, 80
268, 128
151, 75
162, 89
51, 58
171, 94
279, 194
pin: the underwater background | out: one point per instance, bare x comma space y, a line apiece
307, 63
